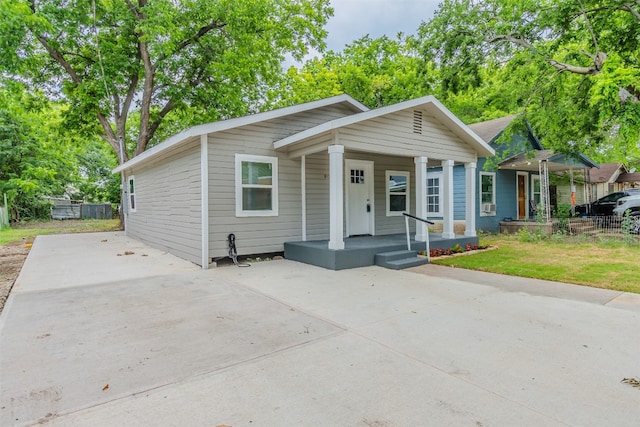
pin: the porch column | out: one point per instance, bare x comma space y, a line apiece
303, 195
336, 197
470, 205
421, 197
447, 213
204, 200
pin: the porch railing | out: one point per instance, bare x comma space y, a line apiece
406, 226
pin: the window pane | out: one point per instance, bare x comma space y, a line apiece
132, 203
487, 188
256, 199
257, 173
397, 183
357, 176
397, 203
131, 187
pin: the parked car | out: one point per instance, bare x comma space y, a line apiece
605, 205
628, 203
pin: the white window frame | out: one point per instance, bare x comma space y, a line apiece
407, 192
493, 194
433, 175
534, 179
240, 158
131, 199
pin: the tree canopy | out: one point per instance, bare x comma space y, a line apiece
154, 58
581, 85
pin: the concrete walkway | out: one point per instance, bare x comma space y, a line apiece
92, 338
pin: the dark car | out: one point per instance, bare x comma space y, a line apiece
605, 205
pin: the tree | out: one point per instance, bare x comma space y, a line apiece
376, 72
583, 80
32, 165
157, 58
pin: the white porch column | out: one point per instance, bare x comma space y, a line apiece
447, 213
303, 195
470, 203
336, 197
421, 197
204, 200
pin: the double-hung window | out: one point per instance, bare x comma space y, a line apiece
397, 193
132, 193
487, 193
256, 185
434, 193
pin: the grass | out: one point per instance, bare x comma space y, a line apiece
607, 265
29, 230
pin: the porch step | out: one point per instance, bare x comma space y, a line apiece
398, 260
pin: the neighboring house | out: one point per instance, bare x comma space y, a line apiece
321, 171
603, 180
629, 179
512, 191
600, 181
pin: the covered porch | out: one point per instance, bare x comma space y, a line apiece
361, 173
361, 251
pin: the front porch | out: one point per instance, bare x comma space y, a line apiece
361, 251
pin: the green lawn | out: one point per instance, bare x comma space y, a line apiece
601, 265
28, 231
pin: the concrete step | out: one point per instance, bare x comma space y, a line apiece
398, 260
395, 255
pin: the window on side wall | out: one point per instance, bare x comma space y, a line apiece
487, 194
132, 193
434, 193
397, 193
256, 185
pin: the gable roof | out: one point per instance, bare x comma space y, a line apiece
629, 177
491, 129
555, 161
453, 123
608, 172
222, 125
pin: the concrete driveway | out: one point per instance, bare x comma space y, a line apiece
92, 338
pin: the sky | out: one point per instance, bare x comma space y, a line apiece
353, 19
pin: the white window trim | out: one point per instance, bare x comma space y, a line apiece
407, 192
493, 196
274, 185
535, 178
131, 196
431, 175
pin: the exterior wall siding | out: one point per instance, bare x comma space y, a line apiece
393, 135
506, 199
167, 195
267, 234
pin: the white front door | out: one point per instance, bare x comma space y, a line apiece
359, 195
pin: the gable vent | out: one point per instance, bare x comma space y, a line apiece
417, 122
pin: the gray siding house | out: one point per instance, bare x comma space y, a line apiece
323, 170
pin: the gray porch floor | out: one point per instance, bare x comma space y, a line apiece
361, 251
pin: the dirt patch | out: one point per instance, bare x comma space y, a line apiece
12, 257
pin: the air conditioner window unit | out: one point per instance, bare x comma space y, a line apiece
488, 207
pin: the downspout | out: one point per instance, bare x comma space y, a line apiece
124, 198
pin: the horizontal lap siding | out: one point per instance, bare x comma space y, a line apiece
393, 134
317, 180
459, 192
168, 213
264, 234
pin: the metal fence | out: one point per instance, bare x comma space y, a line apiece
599, 228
